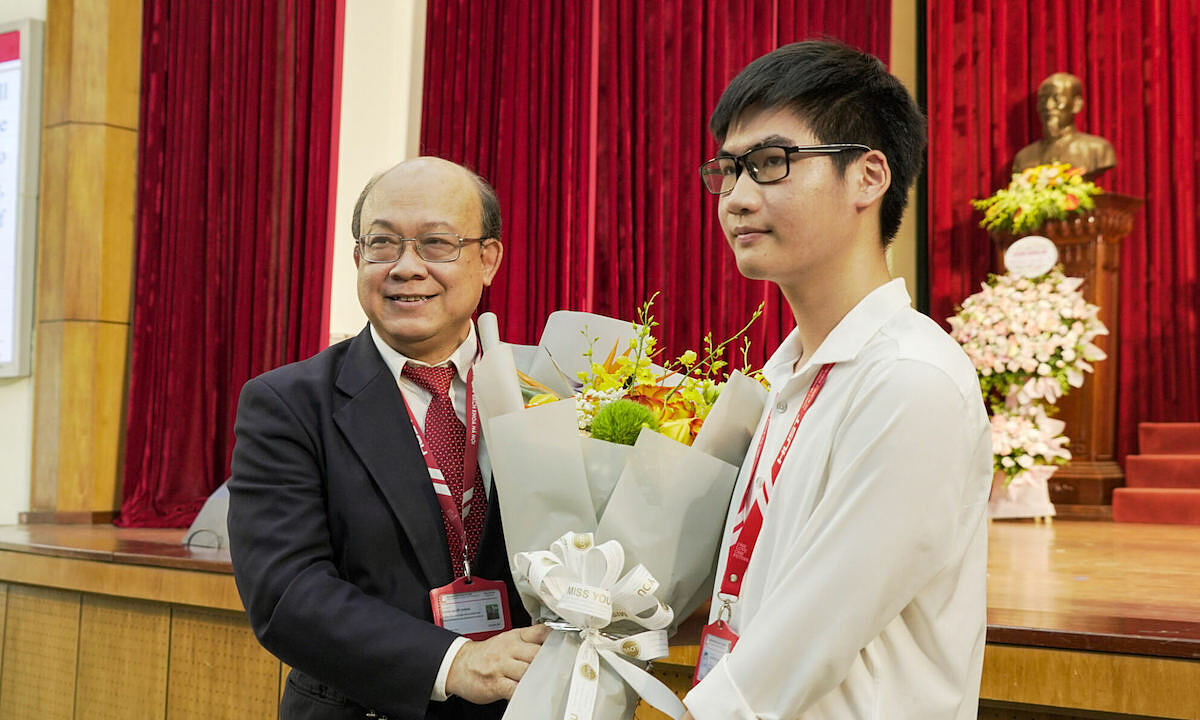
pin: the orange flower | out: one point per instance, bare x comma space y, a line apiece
1070, 202
676, 418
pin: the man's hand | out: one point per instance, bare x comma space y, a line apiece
488, 670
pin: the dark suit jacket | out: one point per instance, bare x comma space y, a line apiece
337, 538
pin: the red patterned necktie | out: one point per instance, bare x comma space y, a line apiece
447, 440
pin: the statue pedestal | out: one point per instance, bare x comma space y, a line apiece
1089, 247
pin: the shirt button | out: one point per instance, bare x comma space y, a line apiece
782, 406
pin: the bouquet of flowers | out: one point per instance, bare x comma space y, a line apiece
617, 397
613, 543
1035, 195
1021, 440
1031, 340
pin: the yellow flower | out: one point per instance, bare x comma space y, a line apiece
680, 430
541, 399
688, 359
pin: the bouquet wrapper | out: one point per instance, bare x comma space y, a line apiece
538, 470
603, 462
581, 672
667, 511
542, 692
663, 502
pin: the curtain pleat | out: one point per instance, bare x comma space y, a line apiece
590, 118
1139, 65
232, 230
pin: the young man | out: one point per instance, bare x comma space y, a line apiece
851, 578
337, 530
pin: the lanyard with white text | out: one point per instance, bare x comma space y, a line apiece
750, 523
470, 464
717, 639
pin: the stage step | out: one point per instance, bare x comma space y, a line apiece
1178, 438
1171, 506
1162, 471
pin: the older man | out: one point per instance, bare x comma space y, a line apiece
359, 484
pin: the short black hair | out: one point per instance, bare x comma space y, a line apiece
488, 200
843, 95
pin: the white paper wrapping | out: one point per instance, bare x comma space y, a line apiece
662, 501
587, 585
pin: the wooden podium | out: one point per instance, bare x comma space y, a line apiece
1089, 247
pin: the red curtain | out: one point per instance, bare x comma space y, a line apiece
1139, 65
591, 119
233, 227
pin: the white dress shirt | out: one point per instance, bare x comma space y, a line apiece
418, 399
865, 596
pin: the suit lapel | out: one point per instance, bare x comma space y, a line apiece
377, 426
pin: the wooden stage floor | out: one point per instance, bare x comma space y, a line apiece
1079, 585
1104, 586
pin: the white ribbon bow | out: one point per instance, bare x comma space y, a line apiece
581, 583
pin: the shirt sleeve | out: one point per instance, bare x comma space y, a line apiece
439, 683
901, 475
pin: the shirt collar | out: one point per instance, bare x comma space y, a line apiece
463, 357
846, 339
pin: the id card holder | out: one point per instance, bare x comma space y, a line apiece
716, 641
475, 608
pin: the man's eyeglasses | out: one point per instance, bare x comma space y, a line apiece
437, 247
766, 164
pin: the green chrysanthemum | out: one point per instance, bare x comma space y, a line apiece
621, 420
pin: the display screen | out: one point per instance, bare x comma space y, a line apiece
10, 190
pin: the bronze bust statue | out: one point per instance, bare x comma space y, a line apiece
1059, 100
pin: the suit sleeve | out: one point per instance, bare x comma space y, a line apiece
300, 609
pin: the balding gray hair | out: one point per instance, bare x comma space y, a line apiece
488, 200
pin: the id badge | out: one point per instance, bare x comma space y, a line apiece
716, 641
475, 608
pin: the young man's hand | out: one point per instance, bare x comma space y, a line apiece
488, 670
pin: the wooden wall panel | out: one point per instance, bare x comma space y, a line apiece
105, 66
93, 280
52, 216
1008, 711
218, 671
91, 415
122, 659
85, 252
180, 587
47, 396
93, 62
41, 643
3, 621
676, 677
1102, 682
78, 414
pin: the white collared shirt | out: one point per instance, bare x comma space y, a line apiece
418, 399
865, 596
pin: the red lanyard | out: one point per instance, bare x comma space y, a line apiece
470, 463
750, 524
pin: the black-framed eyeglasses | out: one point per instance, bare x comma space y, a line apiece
766, 164
434, 247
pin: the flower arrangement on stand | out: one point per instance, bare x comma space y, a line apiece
1035, 195
1030, 340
